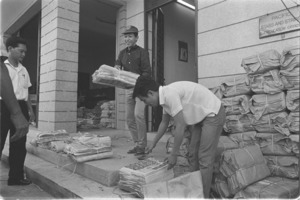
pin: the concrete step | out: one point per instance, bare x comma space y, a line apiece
61, 177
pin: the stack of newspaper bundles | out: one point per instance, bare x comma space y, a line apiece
134, 176
89, 147
107, 75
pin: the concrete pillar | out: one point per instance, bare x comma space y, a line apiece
59, 65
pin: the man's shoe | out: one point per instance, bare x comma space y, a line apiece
19, 182
131, 151
140, 151
142, 156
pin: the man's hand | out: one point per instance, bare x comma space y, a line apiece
21, 125
32, 117
118, 67
172, 160
150, 148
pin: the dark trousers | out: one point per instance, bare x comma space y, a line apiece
17, 149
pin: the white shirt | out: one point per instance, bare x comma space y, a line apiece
195, 101
20, 80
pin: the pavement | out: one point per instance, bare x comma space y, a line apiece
31, 191
51, 181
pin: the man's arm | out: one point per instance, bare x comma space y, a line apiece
9, 98
180, 126
145, 63
161, 131
118, 63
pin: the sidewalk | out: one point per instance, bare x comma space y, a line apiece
54, 178
31, 191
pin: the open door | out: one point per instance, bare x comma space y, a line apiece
157, 59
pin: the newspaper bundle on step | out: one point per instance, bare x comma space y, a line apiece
89, 147
134, 176
52, 140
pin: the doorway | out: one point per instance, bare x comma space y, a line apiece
171, 40
97, 46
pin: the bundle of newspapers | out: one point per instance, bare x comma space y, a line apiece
111, 76
53, 140
134, 176
89, 147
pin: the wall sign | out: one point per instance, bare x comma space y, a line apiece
279, 22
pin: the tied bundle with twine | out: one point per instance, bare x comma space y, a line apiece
270, 188
236, 105
107, 75
262, 62
272, 123
283, 166
236, 85
277, 144
238, 123
261, 104
243, 167
268, 82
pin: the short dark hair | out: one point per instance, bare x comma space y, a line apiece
143, 85
14, 41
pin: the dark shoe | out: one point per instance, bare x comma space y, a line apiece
140, 151
19, 182
142, 157
131, 151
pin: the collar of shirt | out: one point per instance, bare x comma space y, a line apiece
131, 48
18, 68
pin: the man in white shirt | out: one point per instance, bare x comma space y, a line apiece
190, 104
16, 48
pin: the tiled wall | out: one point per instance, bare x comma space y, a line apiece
59, 65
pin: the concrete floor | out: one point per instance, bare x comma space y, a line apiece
19, 192
33, 191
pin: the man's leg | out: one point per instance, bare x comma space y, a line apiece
4, 124
139, 114
130, 117
211, 129
194, 148
17, 151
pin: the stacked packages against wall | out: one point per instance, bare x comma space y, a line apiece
101, 116
134, 176
108, 115
290, 66
270, 188
242, 167
89, 118
269, 120
107, 75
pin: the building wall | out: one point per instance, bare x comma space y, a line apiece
228, 31
179, 26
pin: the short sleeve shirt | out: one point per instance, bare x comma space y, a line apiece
194, 100
20, 80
